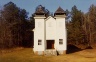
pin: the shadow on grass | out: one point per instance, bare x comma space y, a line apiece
72, 49
89, 47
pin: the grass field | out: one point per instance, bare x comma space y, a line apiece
27, 55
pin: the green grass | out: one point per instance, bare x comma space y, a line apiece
27, 55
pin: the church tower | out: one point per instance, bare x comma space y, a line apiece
39, 31
61, 41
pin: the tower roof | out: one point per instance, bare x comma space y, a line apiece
39, 10
59, 10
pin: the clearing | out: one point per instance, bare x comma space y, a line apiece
27, 55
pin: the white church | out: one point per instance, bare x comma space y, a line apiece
50, 32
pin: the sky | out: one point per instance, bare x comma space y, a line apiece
51, 5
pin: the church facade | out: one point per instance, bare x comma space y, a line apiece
50, 32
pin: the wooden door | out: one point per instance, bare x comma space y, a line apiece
50, 44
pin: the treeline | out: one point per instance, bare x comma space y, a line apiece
16, 27
81, 29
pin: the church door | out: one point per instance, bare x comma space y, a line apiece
50, 44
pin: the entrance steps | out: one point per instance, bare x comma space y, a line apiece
49, 52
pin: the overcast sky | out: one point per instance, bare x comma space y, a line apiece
51, 5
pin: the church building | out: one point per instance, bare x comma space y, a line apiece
50, 32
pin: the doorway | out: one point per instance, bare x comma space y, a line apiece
50, 44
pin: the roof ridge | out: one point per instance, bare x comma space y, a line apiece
49, 17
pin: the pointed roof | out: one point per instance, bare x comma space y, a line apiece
59, 10
39, 10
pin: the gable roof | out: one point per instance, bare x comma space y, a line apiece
59, 10
49, 18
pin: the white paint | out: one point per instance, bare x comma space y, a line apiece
39, 34
50, 29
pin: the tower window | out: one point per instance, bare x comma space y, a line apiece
39, 42
60, 41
